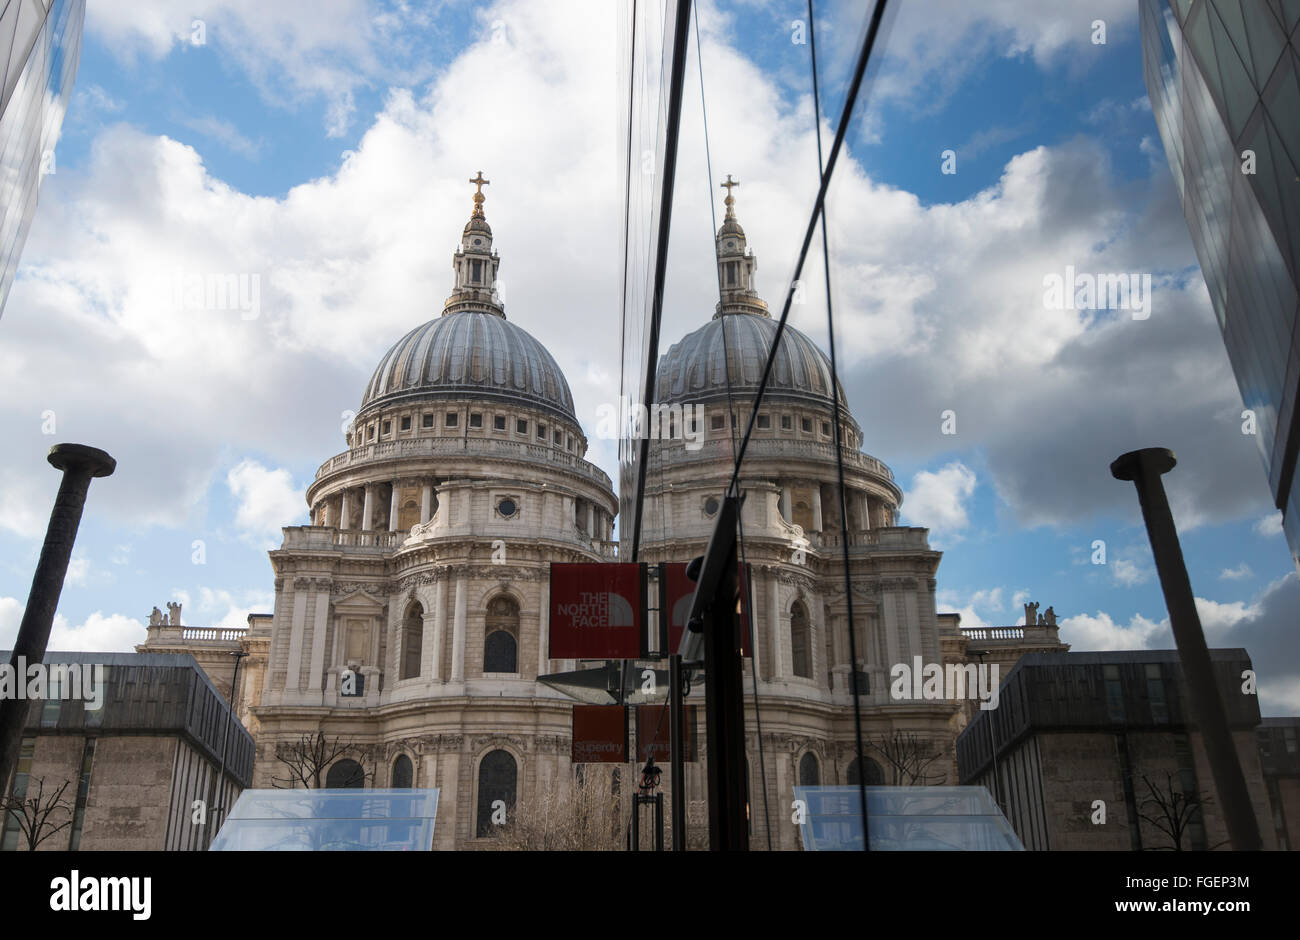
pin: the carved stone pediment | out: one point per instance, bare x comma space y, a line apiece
360, 602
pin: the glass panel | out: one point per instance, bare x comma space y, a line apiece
905, 819
330, 820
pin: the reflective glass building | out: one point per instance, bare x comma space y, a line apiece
40, 45
1224, 81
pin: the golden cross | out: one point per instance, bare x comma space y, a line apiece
480, 182
731, 199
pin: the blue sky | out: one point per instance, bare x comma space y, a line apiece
326, 150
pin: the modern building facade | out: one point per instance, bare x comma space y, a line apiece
136, 765
1097, 751
1223, 77
40, 47
1279, 758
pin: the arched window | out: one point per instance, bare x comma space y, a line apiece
403, 773
501, 636
412, 641
497, 777
874, 776
810, 774
800, 641
345, 774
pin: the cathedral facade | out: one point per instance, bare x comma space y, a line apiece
411, 615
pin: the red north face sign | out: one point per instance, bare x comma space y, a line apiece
596, 611
600, 734
680, 593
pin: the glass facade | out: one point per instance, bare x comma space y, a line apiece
932, 819
330, 820
40, 46
1223, 77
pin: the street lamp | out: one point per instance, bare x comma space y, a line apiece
993, 739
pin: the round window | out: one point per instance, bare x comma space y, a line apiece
478, 241
710, 506
507, 507
731, 244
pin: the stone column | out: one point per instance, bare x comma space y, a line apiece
774, 618
864, 511
439, 627
293, 677
367, 509
426, 502
787, 504
458, 633
392, 506
345, 506
543, 628
817, 506
317, 661
591, 520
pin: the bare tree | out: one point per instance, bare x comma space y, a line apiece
1172, 811
586, 817
308, 758
909, 758
32, 813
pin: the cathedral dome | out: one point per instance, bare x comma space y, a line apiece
695, 368
472, 350
470, 353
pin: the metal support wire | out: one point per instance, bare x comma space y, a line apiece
839, 454
731, 422
681, 32
846, 117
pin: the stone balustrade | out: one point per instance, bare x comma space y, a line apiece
721, 450
1019, 635
467, 446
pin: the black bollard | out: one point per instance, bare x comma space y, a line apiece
1144, 468
79, 464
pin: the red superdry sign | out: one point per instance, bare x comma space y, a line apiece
596, 610
600, 734
680, 593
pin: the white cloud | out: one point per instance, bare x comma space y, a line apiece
1239, 573
1269, 525
1128, 573
293, 51
267, 500
98, 633
225, 133
1100, 632
938, 499
217, 607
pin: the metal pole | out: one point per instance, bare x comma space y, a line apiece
724, 707
636, 823
80, 464
221, 778
1144, 469
659, 822
677, 748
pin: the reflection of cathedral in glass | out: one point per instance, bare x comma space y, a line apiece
411, 616
1224, 83
40, 46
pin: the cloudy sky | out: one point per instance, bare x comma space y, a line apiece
320, 150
